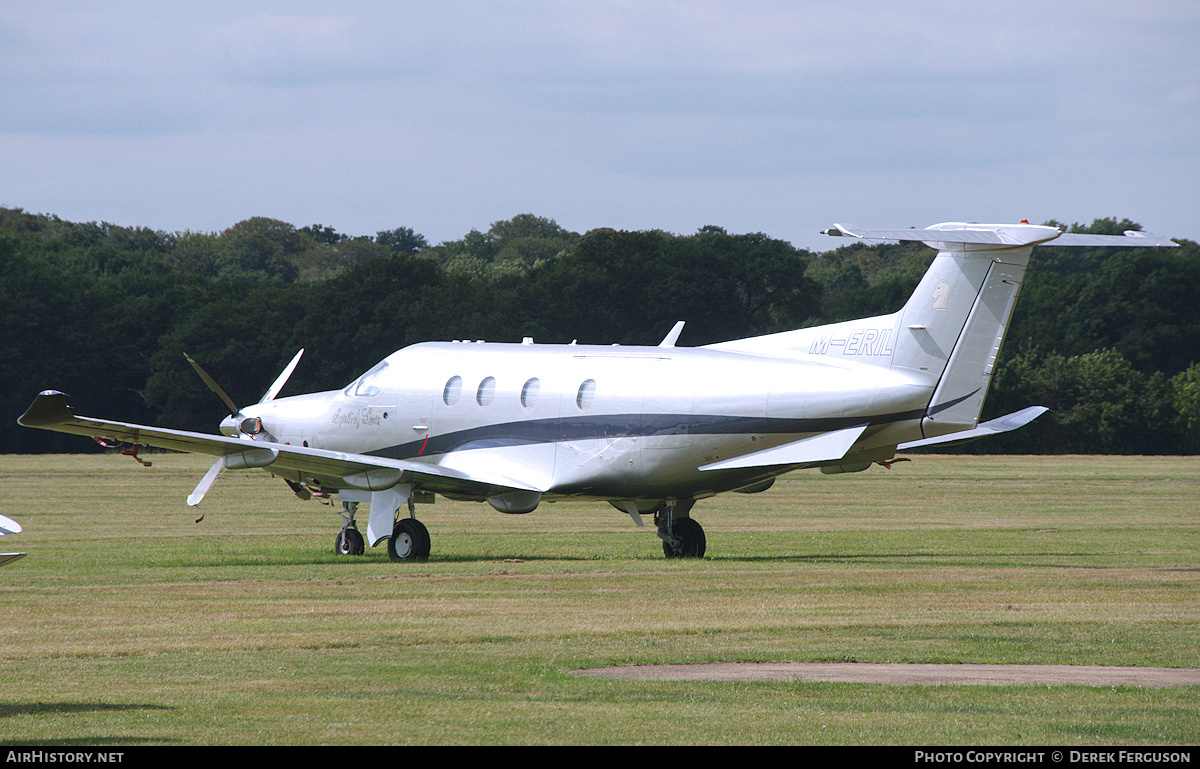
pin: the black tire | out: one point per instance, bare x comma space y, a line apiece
409, 541
349, 542
690, 534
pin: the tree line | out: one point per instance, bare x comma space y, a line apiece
1104, 337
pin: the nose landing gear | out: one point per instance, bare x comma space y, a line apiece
349, 540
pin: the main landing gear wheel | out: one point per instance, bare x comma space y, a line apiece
685, 539
409, 541
348, 542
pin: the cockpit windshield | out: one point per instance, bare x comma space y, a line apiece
370, 383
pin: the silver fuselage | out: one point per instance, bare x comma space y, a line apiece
605, 422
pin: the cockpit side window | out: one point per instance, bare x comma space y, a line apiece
370, 383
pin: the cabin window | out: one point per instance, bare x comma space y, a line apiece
586, 394
452, 390
371, 382
529, 392
486, 391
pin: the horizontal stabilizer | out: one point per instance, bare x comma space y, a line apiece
995, 236
1131, 239
823, 447
998, 425
1002, 235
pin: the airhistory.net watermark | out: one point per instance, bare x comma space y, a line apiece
63, 757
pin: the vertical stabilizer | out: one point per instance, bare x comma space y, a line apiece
952, 328
948, 335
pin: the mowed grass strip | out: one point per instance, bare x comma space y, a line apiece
131, 623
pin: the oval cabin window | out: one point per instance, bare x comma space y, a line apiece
587, 393
486, 391
452, 390
529, 392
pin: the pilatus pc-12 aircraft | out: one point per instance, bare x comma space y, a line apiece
646, 429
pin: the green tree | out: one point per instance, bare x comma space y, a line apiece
511, 247
862, 280
402, 240
1185, 387
259, 249
631, 287
1099, 404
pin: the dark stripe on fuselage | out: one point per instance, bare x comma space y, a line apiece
951, 404
623, 426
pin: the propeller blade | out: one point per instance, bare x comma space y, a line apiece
282, 378
206, 482
212, 385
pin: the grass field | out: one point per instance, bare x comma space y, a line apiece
129, 623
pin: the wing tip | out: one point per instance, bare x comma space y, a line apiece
49, 408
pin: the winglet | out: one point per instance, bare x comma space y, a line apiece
49, 408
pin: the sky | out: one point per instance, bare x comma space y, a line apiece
773, 117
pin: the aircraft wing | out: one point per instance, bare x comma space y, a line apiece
331, 468
992, 427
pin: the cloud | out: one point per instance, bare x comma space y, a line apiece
446, 116
294, 51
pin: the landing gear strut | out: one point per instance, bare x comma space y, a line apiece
349, 540
682, 537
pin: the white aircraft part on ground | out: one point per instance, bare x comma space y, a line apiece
9, 526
